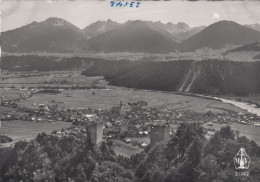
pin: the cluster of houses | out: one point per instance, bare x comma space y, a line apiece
135, 116
93, 133
13, 102
8, 103
138, 120
5, 75
125, 121
150, 122
29, 93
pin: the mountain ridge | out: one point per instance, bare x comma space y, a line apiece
219, 34
58, 35
51, 35
133, 36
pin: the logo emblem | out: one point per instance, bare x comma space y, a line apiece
241, 160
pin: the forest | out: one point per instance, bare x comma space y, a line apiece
209, 76
187, 157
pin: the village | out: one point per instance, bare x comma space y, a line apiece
135, 114
132, 124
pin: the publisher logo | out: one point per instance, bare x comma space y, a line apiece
241, 160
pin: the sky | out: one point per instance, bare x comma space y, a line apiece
17, 13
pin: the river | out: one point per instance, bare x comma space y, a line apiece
242, 105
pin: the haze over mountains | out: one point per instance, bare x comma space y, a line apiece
58, 35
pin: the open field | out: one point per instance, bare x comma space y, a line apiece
40, 79
141, 140
124, 149
105, 99
27, 130
250, 131
199, 54
5, 110
11, 93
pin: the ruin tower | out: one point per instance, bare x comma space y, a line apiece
95, 132
159, 134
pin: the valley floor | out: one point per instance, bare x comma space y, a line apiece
99, 95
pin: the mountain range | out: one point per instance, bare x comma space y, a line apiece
179, 31
220, 34
58, 35
51, 35
134, 36
100, 27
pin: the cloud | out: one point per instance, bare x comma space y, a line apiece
9, 7
216, 16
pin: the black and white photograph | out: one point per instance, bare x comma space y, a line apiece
129, 91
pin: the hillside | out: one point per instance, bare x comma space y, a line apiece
133, 36
51, 35
255, 26
205, 77
220, 34
248, 47
257, 57
99, 27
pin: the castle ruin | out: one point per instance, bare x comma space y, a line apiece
159, 133
95, 132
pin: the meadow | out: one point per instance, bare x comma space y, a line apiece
107, 98
27, 130
43, 79
250, 131
103, 98
124, 149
